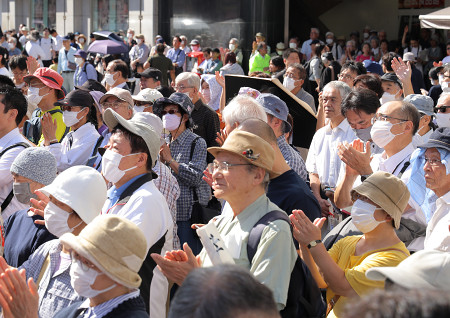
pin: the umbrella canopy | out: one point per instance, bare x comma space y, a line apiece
107, 47
438, 19
107, 35
304, 117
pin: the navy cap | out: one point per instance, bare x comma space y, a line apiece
373, 67
66, 38
391, 77
274, 106
81, 54
179, 99
440, 138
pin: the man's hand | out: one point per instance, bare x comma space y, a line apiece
221, 137
39, 206
32, 64
324, 207
17, 298
401, 69
254, 46
176, 265
354, 156
49, 127
304, 230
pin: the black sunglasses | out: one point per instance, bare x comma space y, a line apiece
170, 111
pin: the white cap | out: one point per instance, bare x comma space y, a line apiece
148, 95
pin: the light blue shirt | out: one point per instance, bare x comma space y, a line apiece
82, 74
64, 59
177, 56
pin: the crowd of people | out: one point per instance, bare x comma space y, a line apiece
131, 187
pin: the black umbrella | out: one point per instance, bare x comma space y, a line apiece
304, 117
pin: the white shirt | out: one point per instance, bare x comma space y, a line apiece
57, 43
83, 142
6, 180
323, 158
4, 71
33, 49
46, 45
147, 208
438, 229
306, 48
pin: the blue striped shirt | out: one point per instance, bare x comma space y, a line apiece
105, 308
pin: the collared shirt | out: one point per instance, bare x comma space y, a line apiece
190, 172
46, 45
206, 124
394, 163
64, 59
213, 66
438, 229
55, 291
275, 257
258, 63
6, 180
33, 49
292, 157
163, 64
323, 158
105, 308
306, 48
177, 56
307, 98
115, 193
139, 52
167, 184
76, 147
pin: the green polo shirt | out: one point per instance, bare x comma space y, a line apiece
276, 255
257, 63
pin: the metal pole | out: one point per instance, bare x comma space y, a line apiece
286, 21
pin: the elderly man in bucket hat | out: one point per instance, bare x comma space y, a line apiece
240, 173
377, 209
127, 163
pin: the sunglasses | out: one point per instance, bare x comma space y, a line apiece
69, 108
170, 111
441, 109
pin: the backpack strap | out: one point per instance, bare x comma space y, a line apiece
255, 233
97, 145
11, 194
194, 142
125, 196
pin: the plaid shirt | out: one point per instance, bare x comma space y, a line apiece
190, 172
167, 184
292, 157
55, 291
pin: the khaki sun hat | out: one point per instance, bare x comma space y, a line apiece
386, 190
250, 147
114, 244
120, 93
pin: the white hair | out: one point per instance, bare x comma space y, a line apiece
241, 108
442, 97
192, 79
342, 87
315, 30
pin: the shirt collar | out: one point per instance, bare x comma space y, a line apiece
105, 308
114, 193
180, 139
7, 138
344, 126
392, 162
251, 209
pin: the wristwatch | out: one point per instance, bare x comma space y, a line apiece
314, 243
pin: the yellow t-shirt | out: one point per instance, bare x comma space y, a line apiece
355, 267
60, 129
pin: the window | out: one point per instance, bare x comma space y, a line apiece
43, 14
110, 15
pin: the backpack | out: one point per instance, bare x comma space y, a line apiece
11, 194
99, 75
304, 297
32, 129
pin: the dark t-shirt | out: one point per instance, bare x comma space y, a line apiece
434, 92
206, 125
23, 237
163, 64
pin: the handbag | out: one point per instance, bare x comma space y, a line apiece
203, 214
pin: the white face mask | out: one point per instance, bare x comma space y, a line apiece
109, 79
56, 220
81, 280
443, 120
329, 41
324, 60
232, 47
23, 193
445, 87
289, 83
441, 79
280, 53
78, 61
81, 41
70, 118
139, 41
366, 35
388, 97
110, 166
129, 35
206, 94
381, 133
33, 96
11, 46
171, 122
362, 216
139, 109
292, 45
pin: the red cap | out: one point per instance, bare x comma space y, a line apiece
49, 77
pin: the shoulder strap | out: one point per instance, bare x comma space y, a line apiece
125, 196
53, 111
194, 142
19, 144
405, 166
43, 269
97, 144
255, 233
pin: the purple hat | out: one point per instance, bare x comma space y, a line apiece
81, 54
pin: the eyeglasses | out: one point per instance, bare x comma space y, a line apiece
113, 105
382, 117
69, 108
85, 264
181, 87
170, 111
19, 73
441, 109
432, 162
347, 77
290, 75
147, 104
223, 166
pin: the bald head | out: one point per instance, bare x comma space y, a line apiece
259, 128
402, 110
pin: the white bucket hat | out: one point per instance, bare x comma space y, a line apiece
148, 95
80, 187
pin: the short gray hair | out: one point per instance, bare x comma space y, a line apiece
235, 41
241, 108
442, 97
342, 87
192, 79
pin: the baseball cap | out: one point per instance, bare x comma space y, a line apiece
151, 73
280, 46
194, 42
409, 56
274, 106
424, 104
260, 34
387, 191
81, 53
391, 77
49, 78
314, 42
77, 97
426, 269
120, 93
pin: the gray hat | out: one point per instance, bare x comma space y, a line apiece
37, 164
179, 99
138, 127
274, 106
424, 104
